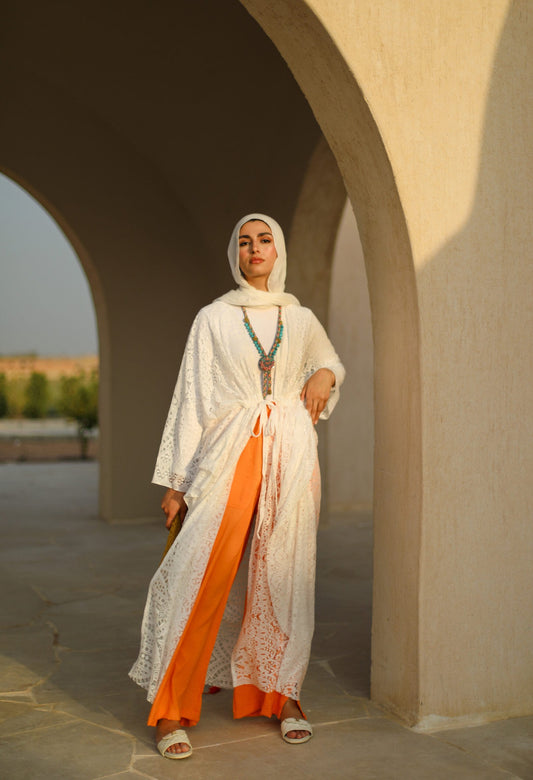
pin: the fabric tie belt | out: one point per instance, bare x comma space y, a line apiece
265, 421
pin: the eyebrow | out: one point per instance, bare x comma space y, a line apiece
266, 233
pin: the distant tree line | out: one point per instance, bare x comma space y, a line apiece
73, 397
36, 396
79, 401
4, 406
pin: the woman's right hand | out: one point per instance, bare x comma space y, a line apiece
172, 505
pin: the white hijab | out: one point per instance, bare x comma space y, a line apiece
246, 294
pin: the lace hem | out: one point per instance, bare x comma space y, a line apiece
174, 481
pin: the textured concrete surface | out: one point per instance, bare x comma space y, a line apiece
73, 590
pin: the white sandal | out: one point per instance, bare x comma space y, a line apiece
174, 738
296, 724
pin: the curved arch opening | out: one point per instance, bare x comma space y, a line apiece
48, 335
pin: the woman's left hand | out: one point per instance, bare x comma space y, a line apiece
316, 392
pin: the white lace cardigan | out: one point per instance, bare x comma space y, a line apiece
215, 405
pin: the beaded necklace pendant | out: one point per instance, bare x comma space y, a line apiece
266, 362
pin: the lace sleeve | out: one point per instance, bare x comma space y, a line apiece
189, 411
321, 354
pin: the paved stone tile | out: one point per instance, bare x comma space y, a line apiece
75, 750
20, 603
19, 719
123, 776
94, 623
13, 709
324, 697
368, 749
505, 743
22, 667
74, 591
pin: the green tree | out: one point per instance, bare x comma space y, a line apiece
3, 395
79, 401
36, 396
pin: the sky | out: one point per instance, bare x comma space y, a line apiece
45, 301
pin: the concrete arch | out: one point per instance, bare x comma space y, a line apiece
334, 93
89, 268
317, 253
94, 281
41, 150
314, 228
350, 432
312, 236
134, 147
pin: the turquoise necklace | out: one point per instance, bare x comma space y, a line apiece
266, 362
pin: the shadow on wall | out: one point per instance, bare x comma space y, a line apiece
478, 401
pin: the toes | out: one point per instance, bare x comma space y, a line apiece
297, 734
179, 747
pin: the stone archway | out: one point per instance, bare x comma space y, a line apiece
94, 282
89, 268
136, 146
335, 94
317, 262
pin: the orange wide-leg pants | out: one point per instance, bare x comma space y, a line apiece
180, 694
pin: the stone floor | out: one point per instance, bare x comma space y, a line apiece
73, 590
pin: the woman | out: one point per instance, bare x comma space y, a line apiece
238, 457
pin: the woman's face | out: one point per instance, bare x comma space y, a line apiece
257, 253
